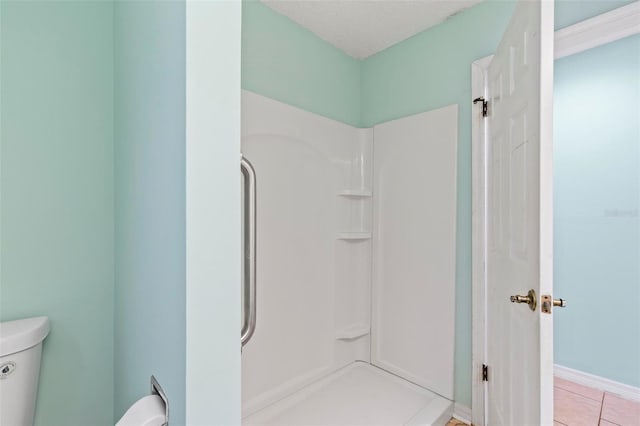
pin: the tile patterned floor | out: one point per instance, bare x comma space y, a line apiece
578, 405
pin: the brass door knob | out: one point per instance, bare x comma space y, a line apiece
530, 299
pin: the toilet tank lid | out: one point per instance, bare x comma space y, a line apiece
18, 335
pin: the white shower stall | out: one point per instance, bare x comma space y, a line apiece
354, 268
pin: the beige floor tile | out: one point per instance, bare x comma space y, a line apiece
620, 411
556, 423
606, 423
575, 410
586, 391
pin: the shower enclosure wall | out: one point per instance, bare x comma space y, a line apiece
355, 268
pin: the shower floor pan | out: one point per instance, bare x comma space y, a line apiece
359, 394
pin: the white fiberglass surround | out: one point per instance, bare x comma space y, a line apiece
346, 236
312, 287
414, 248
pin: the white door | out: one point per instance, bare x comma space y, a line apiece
519, 220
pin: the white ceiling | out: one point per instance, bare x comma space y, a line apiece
364, 27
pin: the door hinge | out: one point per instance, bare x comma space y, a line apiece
485, 373
485, 106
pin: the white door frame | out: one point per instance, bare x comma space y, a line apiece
593, 32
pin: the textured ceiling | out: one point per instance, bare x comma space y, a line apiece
364, 27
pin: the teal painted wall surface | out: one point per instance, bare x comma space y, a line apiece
57, 197
150, 316
286, 62
597, 198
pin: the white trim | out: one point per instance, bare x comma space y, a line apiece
594, 32
462, 413
545, 210
597, 382
477, 242
599, 30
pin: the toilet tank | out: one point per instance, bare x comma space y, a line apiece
20, 352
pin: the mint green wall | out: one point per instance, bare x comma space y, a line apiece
150, 317
57, 197
597, 197
286, 62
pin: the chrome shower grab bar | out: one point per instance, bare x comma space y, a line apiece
249, 250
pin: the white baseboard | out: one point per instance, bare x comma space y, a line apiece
462, 412
597, 382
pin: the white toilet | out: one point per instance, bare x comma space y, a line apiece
20, 353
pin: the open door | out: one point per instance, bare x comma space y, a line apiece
519, 238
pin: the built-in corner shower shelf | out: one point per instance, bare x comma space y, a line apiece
353, 331
354, 236
356, 193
